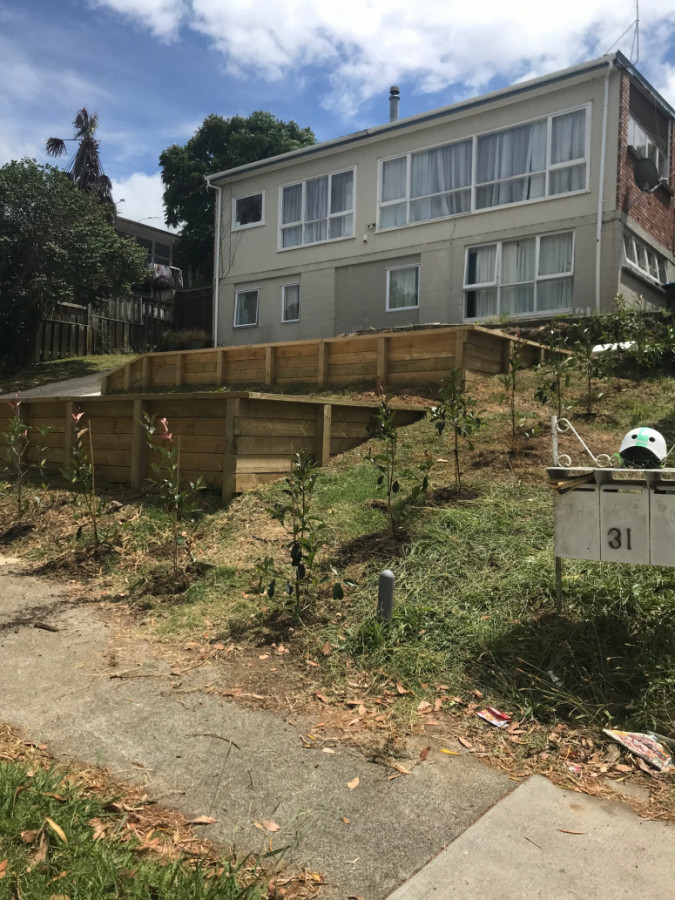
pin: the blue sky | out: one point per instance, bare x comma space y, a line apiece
153, 69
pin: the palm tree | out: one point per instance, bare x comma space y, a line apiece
85, 168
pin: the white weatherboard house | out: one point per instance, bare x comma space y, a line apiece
521, 202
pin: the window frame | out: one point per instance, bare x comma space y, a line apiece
499, 285
663, 167
285, 321
302, 222
635, 267
235, 225
472, 187
390, 269
255, 290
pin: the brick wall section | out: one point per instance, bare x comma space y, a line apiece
653, 212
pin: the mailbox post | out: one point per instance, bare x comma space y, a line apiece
611, 514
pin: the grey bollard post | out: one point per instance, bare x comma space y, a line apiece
385, 596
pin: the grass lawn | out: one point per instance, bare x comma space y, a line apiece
60, 370
76, 835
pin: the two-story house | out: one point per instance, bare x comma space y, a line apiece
518, 203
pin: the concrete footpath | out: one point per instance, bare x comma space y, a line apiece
455, 822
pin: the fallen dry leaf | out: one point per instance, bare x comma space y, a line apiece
465, 743
567, 831
326, 649
40, 854
58, 831
424, 707
3, 868
478, 694
450, 752
59, 897
29, 836
328, 750
202, 820
346, 821
310, 662
320, 696
438, 703
400, 689
269, 826
425, 753
400, 768
353, 784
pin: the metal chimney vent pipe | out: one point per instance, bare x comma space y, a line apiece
394, 98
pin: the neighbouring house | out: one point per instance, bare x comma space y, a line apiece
518, 203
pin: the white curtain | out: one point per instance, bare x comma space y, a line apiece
342, 192
246, 308
441, 172
505, 155
518, 261
291, 302
481, 269
555, 254
316, 210
568, 143
403, 287
393, 179
291, 211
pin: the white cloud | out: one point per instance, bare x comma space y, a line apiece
161, 17
369, 44
142, 196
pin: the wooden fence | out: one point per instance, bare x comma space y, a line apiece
395, 358
236, 441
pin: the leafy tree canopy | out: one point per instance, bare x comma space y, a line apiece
218, 144
56, 246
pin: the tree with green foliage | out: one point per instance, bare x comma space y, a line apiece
85, 169
56, 246
218, 144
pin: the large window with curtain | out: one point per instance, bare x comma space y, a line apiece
537, 159
520, 278
317, 210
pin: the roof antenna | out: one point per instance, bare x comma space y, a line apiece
636, 37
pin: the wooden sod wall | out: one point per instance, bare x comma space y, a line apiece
397, 359
236, 441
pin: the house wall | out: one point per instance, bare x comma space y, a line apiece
344, 281
649, 216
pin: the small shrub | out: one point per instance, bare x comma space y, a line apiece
509, 381
179, 497
186, 339
79, 473
456, 410
305, 530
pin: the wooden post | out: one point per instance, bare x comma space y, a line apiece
382, 347
269, 365
180, 369
220, 367
324, 418
127, 376
68, 435
322, 368
139, 446
146, 378
460, 340
230, 457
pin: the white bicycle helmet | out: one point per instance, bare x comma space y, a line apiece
643, 448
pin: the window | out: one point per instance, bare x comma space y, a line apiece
147, 246
644, 145
530, 161
403, 288
247, 211
162, 254
520, 278
290, 303
641, 257
321, 209
246, 308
